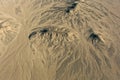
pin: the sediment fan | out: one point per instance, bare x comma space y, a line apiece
59, 40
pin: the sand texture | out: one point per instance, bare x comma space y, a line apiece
59, 39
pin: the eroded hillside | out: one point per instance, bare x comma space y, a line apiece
59, 40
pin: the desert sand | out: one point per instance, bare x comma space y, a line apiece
59, 39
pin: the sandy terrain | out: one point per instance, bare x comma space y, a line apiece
59, 39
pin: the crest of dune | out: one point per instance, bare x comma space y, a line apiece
59, 40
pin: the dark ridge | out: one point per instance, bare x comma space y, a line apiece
43, 31
71, 7
67, 10
32, 34
95, 38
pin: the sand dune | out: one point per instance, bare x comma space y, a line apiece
59, 40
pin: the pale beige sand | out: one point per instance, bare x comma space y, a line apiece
56, 40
